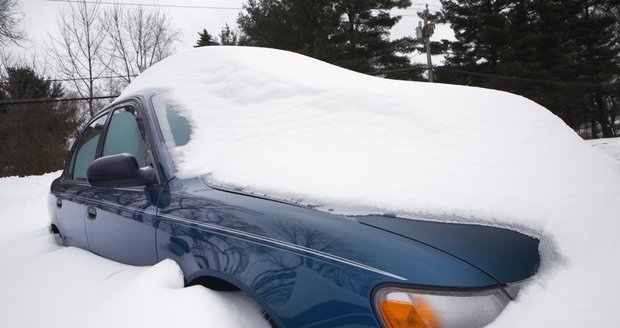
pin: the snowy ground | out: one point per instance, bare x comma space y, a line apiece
44, 285
610, 147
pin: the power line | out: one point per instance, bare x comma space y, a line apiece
504, 77
412, 9
76, 79
197, 6
381, 72
50, 100
521, 79
148, 4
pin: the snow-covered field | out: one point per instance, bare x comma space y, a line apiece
610, 147
44, 285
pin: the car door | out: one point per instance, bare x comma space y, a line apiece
73, 188
120, 222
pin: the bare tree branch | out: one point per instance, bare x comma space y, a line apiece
77, 48
10, 17
93, 42
137, 39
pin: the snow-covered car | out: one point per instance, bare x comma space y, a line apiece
308, 187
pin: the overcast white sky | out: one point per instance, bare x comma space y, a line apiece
40, 18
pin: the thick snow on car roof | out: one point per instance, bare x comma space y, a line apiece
292, 127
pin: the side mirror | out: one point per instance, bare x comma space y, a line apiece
120, 170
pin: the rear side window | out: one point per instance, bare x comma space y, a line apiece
124, 135
87, 148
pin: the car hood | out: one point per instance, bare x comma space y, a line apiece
505, 255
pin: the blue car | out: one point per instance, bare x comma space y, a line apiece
119, 196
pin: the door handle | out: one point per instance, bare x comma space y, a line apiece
92, 212
58, 202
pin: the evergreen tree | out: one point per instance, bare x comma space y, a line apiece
535, 51
205, 39
560, 53
595, 59
480, 27
32, 136
349, 33
301, 26
365, 34
228, 37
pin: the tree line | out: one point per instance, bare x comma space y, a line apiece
563, 54
347, 33
32, 136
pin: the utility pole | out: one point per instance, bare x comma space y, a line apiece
424, 32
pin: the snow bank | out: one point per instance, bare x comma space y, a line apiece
44, 285
281, 124
609, 146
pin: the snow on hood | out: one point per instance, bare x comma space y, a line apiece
292, 127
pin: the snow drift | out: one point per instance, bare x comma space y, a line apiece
45, 285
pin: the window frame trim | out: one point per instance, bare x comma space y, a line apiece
141, 119
141, 126
68, 172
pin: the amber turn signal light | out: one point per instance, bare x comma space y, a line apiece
399, 314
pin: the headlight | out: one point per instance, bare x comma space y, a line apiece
400, 307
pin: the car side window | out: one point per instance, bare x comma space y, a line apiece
179, 126
87, 148
125, 136
175, 127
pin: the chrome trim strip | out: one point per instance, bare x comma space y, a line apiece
96, 202
284, 244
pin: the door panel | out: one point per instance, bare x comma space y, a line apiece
70, 217
120, 221
73, 188
120, 226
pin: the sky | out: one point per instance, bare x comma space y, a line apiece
40, 20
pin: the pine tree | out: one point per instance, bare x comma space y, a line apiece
365, 34
559, 53
205, 39
32, 136
534, 51
349, 33
301, 26
595, 58
228, 37
480, 27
